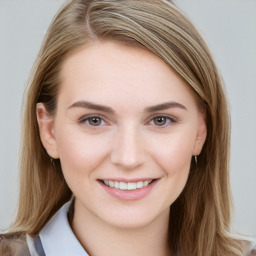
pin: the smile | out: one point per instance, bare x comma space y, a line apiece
127, 185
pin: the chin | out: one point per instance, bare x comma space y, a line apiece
135, 218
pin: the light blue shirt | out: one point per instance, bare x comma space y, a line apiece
58, 238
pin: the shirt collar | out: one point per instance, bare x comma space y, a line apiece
58, 238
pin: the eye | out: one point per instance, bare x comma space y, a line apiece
161, 121
92, 121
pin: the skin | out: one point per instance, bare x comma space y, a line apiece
127, 143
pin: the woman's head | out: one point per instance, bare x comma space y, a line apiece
123, 118
161, 29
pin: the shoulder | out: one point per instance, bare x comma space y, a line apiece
249, 248
13, 245
253, 251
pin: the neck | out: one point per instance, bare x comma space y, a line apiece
99, 238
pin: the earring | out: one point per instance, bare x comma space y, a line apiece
52, 161
195, 160
195, 165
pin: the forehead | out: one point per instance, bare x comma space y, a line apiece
108, 71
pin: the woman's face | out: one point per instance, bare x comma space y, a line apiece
125, 130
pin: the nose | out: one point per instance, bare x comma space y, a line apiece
128, 151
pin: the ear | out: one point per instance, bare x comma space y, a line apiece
46, 130
201, 134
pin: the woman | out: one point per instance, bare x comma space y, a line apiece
123, 124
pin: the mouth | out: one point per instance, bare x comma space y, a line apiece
121, 185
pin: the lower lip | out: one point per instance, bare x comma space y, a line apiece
129, 195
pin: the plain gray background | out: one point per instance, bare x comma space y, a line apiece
229, 27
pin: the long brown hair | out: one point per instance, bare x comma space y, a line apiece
200, 217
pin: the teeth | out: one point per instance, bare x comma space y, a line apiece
140, 184
117, 184
145, 183
132, 186
123, 186
111, 184
127, 186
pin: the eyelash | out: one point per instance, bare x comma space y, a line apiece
86, 119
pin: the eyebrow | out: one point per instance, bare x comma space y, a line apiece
164, 106
90, 105
159, 107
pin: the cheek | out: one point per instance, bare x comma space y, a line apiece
173, 152
174, 159
80, 153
